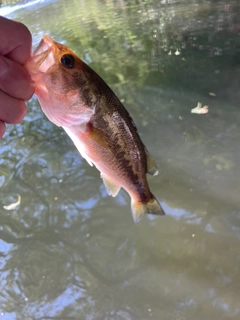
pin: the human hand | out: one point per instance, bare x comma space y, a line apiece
15, 83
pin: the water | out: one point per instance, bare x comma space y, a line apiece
69, 251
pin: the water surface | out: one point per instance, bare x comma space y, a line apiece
69, 251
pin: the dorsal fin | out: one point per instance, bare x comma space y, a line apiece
111, 187
151, 165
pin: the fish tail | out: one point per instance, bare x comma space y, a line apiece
151, 207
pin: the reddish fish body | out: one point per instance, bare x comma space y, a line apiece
75, 97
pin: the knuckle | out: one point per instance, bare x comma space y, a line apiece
25, 33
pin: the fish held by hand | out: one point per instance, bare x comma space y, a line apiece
75, 97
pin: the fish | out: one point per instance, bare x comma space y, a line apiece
73, 96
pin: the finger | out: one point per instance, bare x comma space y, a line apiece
18, 45
2, 129
11, 110
15, 79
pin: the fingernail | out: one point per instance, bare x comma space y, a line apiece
3, 66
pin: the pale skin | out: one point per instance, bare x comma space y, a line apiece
16, 86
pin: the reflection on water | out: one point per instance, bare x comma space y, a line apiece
6, 10
69, 251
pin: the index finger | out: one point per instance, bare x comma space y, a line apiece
15, 40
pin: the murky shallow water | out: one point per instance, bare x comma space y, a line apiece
71, 252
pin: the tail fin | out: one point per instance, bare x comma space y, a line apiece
151, 207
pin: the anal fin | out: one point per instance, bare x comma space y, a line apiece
111, 187
151, 165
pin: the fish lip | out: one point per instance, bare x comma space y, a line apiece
39, 55
44, 45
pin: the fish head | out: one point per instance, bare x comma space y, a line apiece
60, 83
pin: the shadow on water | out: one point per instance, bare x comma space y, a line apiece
69, 251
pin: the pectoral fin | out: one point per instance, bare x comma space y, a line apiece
78, 145
111, 187
151, 165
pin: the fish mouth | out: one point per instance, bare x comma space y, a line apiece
42, 53
44, 45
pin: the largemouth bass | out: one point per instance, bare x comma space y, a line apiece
75, 97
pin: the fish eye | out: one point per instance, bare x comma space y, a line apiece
67, 61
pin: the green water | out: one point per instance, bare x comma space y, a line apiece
69, 251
